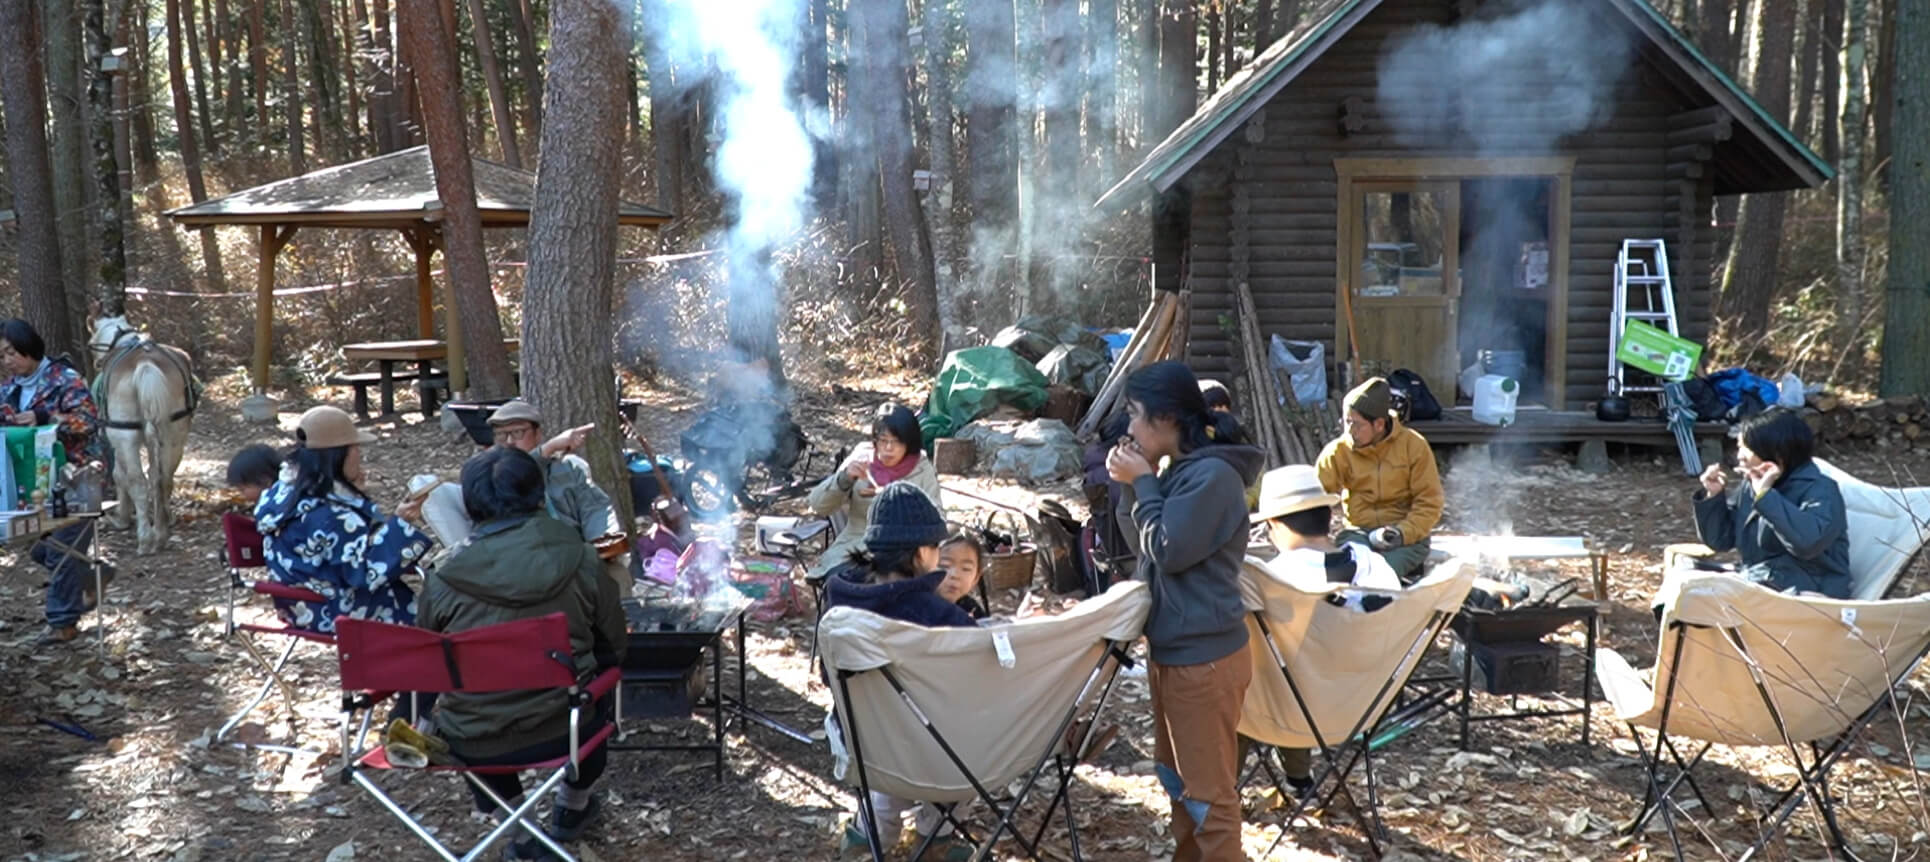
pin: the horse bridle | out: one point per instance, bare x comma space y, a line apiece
120, 335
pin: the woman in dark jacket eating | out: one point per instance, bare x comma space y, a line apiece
1789, 524
1191, 521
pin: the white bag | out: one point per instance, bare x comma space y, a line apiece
1790, 394
1305, 363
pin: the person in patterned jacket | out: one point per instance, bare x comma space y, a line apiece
323, 534
47, 390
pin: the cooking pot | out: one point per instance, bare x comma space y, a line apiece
1614, 405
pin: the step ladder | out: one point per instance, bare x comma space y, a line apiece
1642, 292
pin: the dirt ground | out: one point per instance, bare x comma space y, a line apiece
149, 786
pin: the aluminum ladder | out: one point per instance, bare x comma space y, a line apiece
1643, 292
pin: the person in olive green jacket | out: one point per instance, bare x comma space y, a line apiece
522, 563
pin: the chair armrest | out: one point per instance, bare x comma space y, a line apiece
605, 681
284, 591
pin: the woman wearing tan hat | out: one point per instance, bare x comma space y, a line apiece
324, 534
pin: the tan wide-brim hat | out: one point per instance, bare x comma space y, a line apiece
515, 411
328, 427
1286, 490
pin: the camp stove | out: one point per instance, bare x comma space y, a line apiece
664, 663
1503, 625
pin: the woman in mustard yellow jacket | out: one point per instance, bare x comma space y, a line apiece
1390, 490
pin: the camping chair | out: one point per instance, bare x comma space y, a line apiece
1741, 665
533, 653
1325, 673
946, 715
242, 546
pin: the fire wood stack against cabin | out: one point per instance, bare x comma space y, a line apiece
1885, 422
1155, 339
1288, 431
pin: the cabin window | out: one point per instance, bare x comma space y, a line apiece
1405, 234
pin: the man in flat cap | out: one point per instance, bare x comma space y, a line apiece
1390, 490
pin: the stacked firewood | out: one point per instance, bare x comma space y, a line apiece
1886, 422
1160, 335
1289, 432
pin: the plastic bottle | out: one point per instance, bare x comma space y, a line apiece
1494, 399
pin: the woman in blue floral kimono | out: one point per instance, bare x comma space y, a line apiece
323, 534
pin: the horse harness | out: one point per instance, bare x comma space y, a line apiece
126, 343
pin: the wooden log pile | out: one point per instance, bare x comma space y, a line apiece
1160, 335
1891, 423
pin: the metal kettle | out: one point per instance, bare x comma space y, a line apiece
1614, 406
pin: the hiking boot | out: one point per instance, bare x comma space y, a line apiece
567, 824
853, 843
90, 599
527, 850
55, 635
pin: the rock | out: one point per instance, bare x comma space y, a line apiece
258, 409
201, 658
1593, 458
1041, 450
343, 852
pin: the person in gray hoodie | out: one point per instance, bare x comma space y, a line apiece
1191, 524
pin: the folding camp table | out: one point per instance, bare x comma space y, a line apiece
23, 544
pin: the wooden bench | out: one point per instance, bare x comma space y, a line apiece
362, 381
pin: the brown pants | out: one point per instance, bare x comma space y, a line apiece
1196, 719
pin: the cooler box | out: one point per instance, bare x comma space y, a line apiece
26, 466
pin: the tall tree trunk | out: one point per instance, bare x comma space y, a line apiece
65, 99
23, 90
1215, 44
1906, 328
258, 63
384, 117
318, 37
472, 302
352, 39
990, 95
1712, 34
1102, 96
493, 80
815, 83
141, 115
130, 72
236, 89
1750, 281
528, 63
668, 137
1178, 65
1262, 26
1849, 178
200, 71
570, 294
1833, 71
880, 28
408, 109
214, 23
1803, 120
1146, 74
112, 287
291, 89
939, 221
190, 148
1883, 97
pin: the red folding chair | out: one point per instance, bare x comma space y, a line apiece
517, 656
243, 549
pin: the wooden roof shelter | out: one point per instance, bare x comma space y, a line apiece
396, 192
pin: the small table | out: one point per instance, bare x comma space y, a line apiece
424, 352
49, 526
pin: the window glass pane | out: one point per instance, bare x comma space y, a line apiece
1404, 236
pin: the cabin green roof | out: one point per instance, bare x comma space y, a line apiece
1796, 166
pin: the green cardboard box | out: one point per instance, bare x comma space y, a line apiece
20, 449
1655, 351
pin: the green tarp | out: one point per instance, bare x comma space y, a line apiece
976, 380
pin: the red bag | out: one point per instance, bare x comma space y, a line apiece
767, 582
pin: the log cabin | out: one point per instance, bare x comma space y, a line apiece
1459, 177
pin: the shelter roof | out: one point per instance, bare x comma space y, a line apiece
1769, 157
396, 190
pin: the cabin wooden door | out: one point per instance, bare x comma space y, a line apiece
1403, 275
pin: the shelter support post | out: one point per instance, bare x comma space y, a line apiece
270, 245
425, 285
451, 323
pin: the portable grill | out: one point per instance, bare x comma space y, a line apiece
664, 663
1505, 637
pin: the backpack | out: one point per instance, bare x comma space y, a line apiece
1705, 399
1421, 405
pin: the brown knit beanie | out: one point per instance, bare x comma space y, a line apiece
1371, 399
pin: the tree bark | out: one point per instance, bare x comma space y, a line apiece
352, 42
1713, 35
190, 148
112, 286
384, 119
141, 114
879, 74
237, 87
1833, 71
472, 302
568, 330
214, 23
528, 63
1102, 97
492, 74
1262, 26
1178, 66
668, 138
291, 89
1215, 44
990, 95
1906, 329
939, 222
816, 94
201, 103
258, 62
1803, 122
1146, 74
318, 36
1064, 82
1883, 97
23, 90
1750, 281
65, 99
1849, 177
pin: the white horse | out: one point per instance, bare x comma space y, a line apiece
146, 395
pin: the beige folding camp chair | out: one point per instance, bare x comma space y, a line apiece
948, 715
1887, 527
1325, 671
1741, 665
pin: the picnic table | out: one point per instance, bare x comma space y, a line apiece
424, 352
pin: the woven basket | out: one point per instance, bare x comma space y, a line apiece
1009, 570
954, 455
